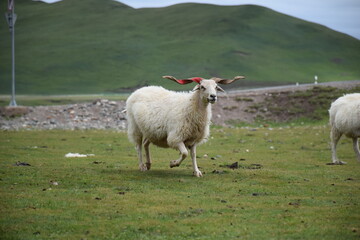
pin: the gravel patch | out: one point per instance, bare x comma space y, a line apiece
100, 114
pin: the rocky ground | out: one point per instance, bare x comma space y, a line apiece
276, 104
100, 114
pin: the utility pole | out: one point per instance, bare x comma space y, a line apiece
11, 18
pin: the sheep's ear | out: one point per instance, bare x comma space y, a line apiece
184, 81
227, 81
220, 89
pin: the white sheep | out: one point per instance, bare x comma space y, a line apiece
178, 120
345, 119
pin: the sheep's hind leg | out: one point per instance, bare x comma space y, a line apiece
142, 166
356, 148
183, 153
197, 172
147, 153
335, 136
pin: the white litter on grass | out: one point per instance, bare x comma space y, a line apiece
73, 155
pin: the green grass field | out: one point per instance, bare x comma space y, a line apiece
282, 190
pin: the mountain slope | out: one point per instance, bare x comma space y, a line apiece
92, 46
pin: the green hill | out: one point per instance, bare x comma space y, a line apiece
93, 46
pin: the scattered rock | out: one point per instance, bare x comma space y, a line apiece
97, 162
259, 194
78, 155
54, 183
294, 203
236, 165
22, 164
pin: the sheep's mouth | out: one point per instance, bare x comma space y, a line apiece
212, 100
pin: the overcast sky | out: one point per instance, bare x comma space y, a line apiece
340, 15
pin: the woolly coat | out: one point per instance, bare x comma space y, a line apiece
167, 118
345, 115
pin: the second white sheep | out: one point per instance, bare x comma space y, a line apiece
345, 119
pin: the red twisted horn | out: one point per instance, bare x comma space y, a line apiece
184, 81
226, 81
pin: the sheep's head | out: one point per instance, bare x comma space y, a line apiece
207, 87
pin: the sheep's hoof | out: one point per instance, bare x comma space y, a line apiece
148, 166
336, 163
174, 163
339, 163
198, 174
143, 167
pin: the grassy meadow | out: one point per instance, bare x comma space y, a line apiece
283, 188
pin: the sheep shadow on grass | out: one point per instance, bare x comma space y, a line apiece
153, 173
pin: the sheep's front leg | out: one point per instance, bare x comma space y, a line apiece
183, 153
335, 136
356, 148
197, 172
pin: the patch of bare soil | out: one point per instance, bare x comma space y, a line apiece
280, 104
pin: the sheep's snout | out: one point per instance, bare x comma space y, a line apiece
212, 98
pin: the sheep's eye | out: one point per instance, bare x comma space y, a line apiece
202, 88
